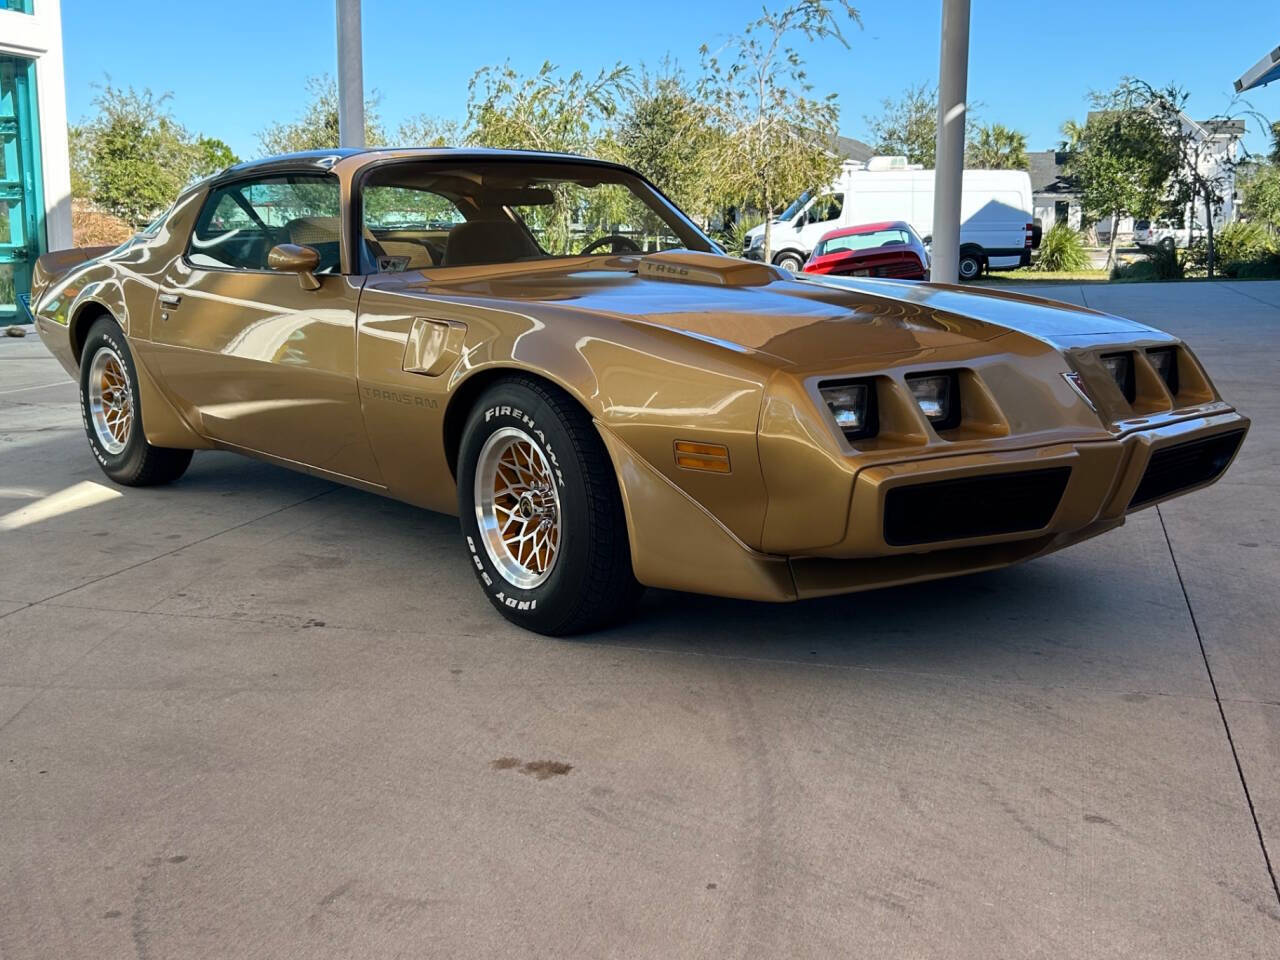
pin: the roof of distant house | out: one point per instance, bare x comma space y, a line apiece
1047, 175
852, 149
1214, 127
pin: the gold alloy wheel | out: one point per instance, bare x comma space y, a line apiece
517, 508
110, 400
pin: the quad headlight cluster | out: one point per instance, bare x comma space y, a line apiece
1120, 365
853, 402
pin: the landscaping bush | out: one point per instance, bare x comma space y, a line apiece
1265, 267
734, 237
1161, 263
1244, 250
1062, 250
1242, 242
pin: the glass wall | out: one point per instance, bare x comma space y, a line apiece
18, 6
21, 196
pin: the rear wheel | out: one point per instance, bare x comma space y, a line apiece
112, 412
970, 266
540, 511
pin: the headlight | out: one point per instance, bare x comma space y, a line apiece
853, 404
1165, 360
938, 395
1120, 366
756, 241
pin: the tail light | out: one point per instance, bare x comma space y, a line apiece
1031, 229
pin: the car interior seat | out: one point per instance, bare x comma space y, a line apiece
487, 241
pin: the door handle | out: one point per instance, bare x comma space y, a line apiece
170, 299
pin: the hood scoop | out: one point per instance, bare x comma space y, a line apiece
690, 266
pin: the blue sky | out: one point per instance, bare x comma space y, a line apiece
1031, 64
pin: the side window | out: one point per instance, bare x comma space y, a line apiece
241, 222
405, 228
828, 208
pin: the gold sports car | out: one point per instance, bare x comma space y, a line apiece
547, 347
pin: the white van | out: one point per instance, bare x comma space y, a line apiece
996, 225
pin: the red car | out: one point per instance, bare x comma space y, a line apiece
889, 249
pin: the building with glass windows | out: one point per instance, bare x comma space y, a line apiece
35, 172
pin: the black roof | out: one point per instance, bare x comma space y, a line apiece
852, 149
324, 159
1047, 175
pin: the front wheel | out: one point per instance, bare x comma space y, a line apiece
111, 408
541, 514
789, 261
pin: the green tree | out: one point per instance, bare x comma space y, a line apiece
317, 128
996, 147
212, 155
545, 111
1260, 195
424, 130
133, 157
552, 112
667, 134
1200, 174
1119, 160
908, 127
777, 135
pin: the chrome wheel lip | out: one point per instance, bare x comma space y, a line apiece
517, 508
110, 400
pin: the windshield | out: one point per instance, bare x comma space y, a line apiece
441, 213
892, 237
796, 204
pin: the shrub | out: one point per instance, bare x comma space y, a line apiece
1062, 250
1265, 267
1241, 242
1139, 271
91, 227
1161, 263
734, 237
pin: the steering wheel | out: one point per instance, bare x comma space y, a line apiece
613, 238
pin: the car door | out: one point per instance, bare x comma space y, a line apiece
256, 358
822, 217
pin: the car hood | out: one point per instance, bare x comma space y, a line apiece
802, 321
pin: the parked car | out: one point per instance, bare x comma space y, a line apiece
997, 229
1159, 231
889, 249
424, 325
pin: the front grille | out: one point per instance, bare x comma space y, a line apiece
973, 506
1186, 465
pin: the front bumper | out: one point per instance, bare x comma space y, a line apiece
677, 544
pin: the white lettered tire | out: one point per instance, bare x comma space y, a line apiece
540, 511
111, 409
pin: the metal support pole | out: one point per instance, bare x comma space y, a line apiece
350, 75
948, 175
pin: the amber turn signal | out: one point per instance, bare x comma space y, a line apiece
709, 457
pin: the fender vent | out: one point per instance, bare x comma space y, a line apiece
1186, 465
983, 506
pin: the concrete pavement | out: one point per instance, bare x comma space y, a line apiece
257, 715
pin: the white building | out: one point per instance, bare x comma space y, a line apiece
1056, 200
35, 171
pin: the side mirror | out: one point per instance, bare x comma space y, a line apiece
294, 258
